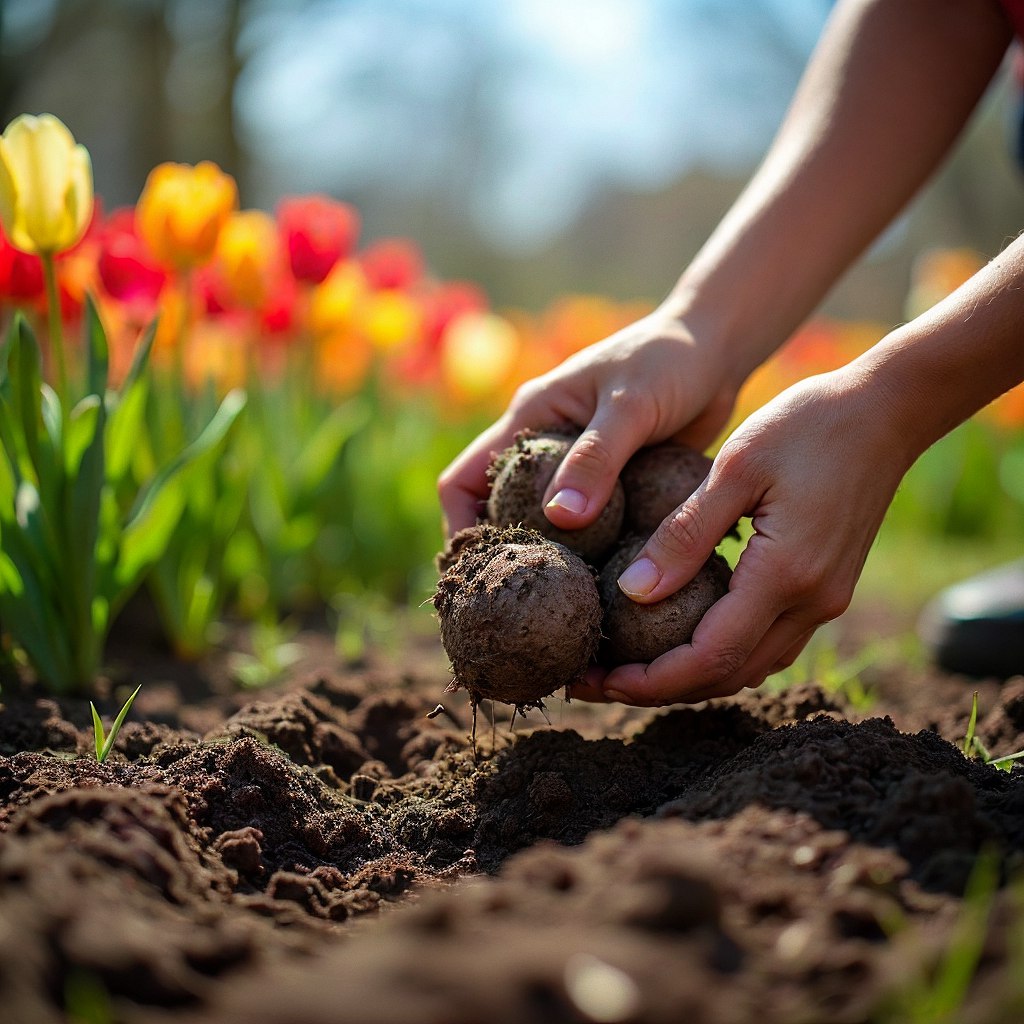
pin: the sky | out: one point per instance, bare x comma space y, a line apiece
522, 111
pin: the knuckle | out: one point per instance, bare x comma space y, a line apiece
681, 532
723, 661
832, 602
629, 403
589, 455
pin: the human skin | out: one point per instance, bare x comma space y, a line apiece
888, 89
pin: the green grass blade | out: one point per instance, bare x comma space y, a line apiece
116, 727
98, 350
972, 724
98, 732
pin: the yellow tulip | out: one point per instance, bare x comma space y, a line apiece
181, 212
247, 255
45, 185
479, 355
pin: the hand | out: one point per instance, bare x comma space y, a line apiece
649, 382
815, 469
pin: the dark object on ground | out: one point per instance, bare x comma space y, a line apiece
976, 627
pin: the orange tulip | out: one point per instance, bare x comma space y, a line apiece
182, 210
248, 257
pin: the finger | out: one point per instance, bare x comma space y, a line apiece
589, 687
683, 542
584, 481
463, 486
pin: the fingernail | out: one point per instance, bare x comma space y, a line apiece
570, 500
640, 578
617, 695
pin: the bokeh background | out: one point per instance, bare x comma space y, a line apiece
537, 147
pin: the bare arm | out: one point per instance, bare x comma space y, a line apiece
888, 90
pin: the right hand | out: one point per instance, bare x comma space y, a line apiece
649, 382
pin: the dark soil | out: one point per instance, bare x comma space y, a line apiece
323, 851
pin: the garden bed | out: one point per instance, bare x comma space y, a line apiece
324, 851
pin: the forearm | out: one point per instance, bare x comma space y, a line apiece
885, 94
931, 374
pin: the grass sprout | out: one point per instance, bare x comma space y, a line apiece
938, 993
821, 663
974, 748
105, 741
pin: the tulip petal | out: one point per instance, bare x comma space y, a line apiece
8, 194
79, 197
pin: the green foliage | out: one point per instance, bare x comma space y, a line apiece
105, 741
77, 531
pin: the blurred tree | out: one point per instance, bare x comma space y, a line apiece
137, 81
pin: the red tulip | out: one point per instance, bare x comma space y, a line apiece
126, 269
392, 263
21, 275
316, 232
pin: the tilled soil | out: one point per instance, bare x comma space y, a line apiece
325, 852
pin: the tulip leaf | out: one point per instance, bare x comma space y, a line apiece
125, 415
159, 509
98, 349
141, 358
317, 459
84, 495
26, 370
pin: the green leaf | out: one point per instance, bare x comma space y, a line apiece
104, 742
99, 352
116, 727
81, 513
26, 373
211, 436
126, 420
318, 458
99, 733
159, 508
141, 358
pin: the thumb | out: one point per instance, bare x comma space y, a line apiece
585, 478
683, 542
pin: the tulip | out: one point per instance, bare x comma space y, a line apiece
317, 233
45, 185
182, 210
125, 268
248, 258
479, 354
337, 301
391, 320
392, 263
45, 203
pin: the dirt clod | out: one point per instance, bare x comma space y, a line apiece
519, 615
636, 632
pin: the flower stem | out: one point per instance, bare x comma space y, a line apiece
56, 325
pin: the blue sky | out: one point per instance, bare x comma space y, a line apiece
520, 111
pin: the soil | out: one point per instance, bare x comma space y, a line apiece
324, 851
